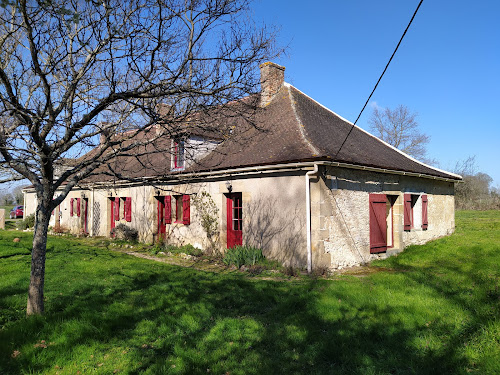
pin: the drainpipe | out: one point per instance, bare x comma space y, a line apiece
92, 230
308, 216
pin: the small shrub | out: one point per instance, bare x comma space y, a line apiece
320, 271
123, 232
291, 271
186, 249
256, 269
243, 255
60, 229
27, 222
157, 247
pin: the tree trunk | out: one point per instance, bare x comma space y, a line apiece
37, 278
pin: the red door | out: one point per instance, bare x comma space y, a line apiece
234, 220
161, 218
378, 223
112, 226
85, 215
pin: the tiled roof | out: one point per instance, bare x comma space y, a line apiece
292, 128
297, 128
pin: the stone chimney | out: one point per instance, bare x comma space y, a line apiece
164, 110
103, 137
272, 77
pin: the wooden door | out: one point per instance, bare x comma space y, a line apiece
234, 220
378, 223
161, 224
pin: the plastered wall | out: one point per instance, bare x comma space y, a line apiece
274, 215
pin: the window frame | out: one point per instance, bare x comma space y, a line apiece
411, 203
122, 209
182, 209
178, 209
178, 154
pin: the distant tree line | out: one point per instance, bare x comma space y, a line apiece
15, 196
475, 192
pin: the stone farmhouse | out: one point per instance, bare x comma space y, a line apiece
280, 184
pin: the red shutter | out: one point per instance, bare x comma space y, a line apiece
168, 209
128, 209
71, 207
378, 223
407, 212
78, 207
425, 222
117, 209
186, 210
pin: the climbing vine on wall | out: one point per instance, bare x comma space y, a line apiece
209, 216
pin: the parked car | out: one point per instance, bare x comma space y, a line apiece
17, 212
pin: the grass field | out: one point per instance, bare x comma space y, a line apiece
434, 309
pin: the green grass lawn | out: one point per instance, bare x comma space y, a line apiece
432, 310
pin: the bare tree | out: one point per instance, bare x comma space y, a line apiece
18, 194
475, 191
399, 128
81, 82
6, 199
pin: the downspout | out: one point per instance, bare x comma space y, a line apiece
308, 216
91, 214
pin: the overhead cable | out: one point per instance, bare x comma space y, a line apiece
380, 78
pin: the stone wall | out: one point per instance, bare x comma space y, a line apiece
341, 221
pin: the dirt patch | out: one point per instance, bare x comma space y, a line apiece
363, 271
213, 265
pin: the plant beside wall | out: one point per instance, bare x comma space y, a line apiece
243, 255
186, 249
124, 232
60, 229
209, 217
27, 223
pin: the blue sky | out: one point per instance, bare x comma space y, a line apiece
447, 69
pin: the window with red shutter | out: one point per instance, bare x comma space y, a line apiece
168, 210
178, 208
71, 207
425, 222
408, 212
378, 223
117, 209
78, 206
186, 210
128, 209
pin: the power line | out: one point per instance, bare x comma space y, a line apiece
380, 78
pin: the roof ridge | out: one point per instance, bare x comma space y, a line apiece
302, 129
371, 135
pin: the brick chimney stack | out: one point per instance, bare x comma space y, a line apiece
272, 77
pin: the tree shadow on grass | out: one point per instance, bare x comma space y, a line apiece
167, 319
